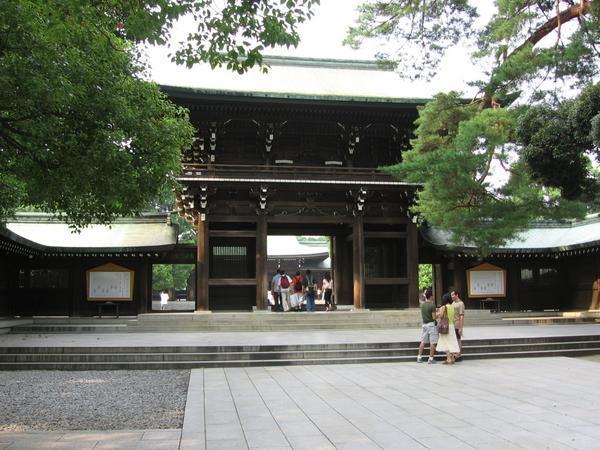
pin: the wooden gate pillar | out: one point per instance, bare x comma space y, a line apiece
202, 267
337, 272
261, 262
358, 261
412, 264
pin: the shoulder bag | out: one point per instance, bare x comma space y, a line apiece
443, 326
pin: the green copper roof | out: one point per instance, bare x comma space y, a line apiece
303, 78
538, 237
47, 232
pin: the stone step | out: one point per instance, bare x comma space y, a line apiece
228, 322
69, 328
279, 355
144, 365
117, 358
549, 320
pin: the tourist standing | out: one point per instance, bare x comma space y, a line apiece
327, 291
310, 289
285, 287
276, 290
297, 291
459, 320
447, 342
429, 333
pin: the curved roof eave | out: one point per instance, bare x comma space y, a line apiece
191, 91
567, 237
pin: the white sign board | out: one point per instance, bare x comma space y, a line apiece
110, 285
486, 283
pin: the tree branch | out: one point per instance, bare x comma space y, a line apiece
572, 12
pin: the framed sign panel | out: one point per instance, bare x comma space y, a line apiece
109, 282
486, 281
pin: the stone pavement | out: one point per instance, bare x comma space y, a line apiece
495, 403
498, 404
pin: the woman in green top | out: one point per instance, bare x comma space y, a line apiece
447, 342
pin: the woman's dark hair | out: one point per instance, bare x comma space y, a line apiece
446, 299
327, 276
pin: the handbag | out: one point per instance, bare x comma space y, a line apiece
443, 325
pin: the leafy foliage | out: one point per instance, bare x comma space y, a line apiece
454, 149
81, 133
187, 234
425, 275
460, 148
165, 276
426, 28
236, 35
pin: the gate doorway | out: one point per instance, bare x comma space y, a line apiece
173, 287
299, 254
370, 263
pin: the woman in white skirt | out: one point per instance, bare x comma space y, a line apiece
447, 342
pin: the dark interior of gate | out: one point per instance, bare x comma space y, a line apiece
233, 266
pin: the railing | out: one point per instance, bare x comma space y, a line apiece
289, 172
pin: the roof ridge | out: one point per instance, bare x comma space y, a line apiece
360, 64
43, 217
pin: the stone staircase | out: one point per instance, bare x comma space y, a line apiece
243, 321
45, 325
549, 317
188, 357
268, 321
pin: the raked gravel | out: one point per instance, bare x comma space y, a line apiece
92, 400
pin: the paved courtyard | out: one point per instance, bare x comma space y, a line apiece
501, 403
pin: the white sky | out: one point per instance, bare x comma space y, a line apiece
322, 37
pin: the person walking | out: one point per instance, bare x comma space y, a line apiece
429, 333
276, 291
459, 321
327, 291
285, 286
310, 290
164, 299
447, 342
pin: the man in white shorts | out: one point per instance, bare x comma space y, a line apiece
429, 333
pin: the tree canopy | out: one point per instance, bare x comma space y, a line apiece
82, 133
535, 119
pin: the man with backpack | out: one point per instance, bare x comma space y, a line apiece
310, 286
285, 284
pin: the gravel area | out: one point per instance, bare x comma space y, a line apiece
92, 400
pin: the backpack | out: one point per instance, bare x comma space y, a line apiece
298, 283
285, 282
310, 284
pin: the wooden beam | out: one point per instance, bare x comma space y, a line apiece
387, 281
385, 234
337, 249
412, 265
232, 282
261, 262
202, 267
358, 262
310, 219
232, 233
